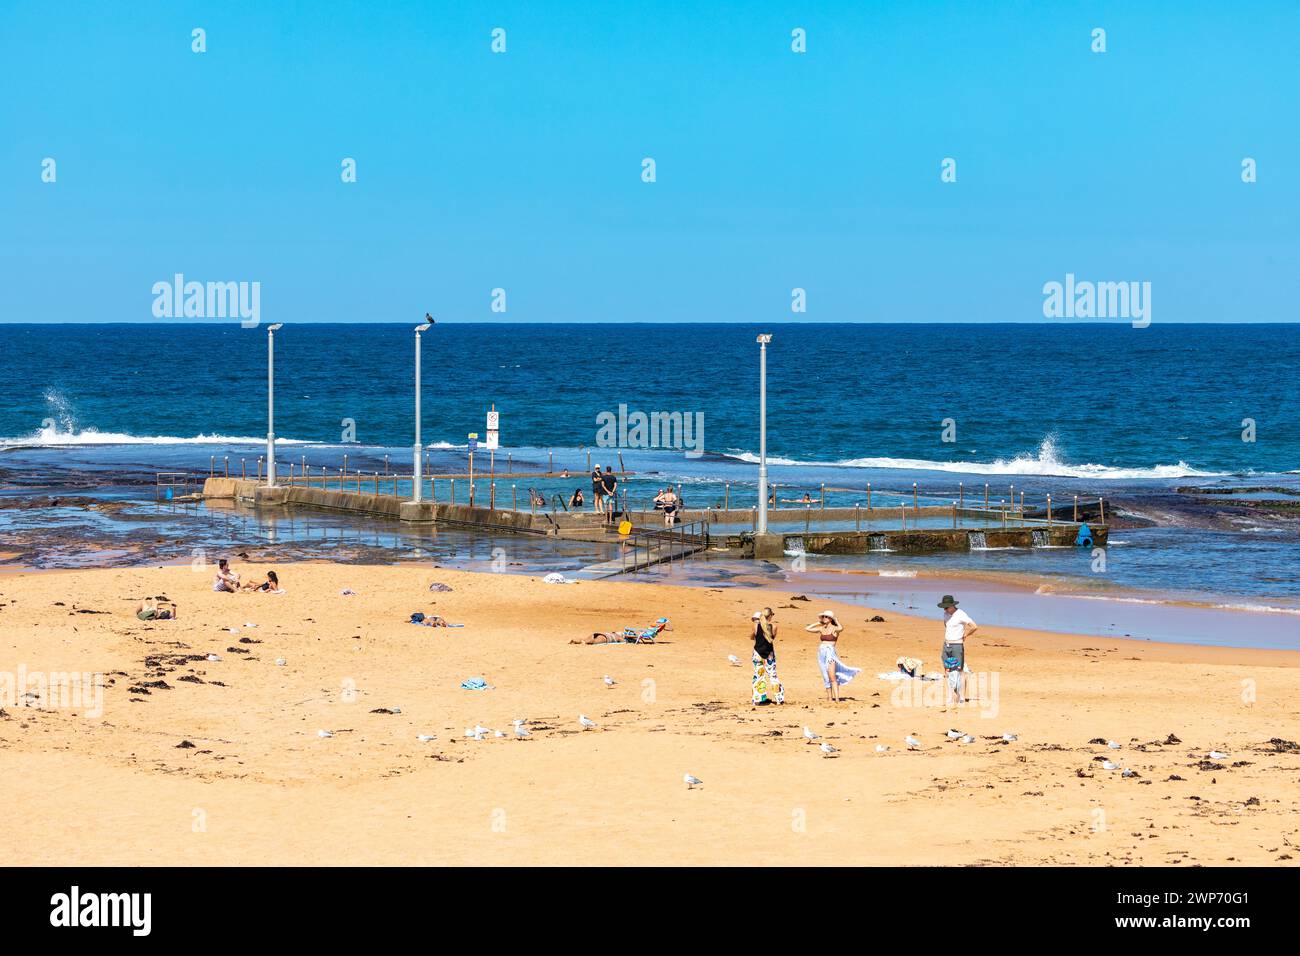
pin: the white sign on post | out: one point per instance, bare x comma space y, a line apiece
492, 441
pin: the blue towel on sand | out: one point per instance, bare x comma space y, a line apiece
474, 683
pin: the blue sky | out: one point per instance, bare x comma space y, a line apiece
775, 170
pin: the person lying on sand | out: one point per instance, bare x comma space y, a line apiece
429, 620
271, 585
226, 579
156, 609
612, 636
628, 635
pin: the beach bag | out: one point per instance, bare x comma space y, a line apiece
417, 618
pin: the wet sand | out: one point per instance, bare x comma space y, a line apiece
218, 762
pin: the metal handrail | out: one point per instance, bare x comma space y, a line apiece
696, 532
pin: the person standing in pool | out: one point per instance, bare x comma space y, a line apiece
597, 490
765, 678
957, 626
609, 486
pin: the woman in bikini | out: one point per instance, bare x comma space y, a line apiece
271, 585
835, 673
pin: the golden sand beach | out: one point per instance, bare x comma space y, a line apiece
191, 761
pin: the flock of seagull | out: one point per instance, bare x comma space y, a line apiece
519, 731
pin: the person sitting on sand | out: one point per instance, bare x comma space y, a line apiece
957, 626
271, 585
226, 579
835, 673
156, 609
576, 501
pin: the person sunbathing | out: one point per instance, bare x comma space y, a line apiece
612, 636
271, 585
428, 620
628, 635
156, 609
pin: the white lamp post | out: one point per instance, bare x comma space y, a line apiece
417, 480
270, 402
763, 340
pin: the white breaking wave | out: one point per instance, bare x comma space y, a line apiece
61, 428
1043, 461
56, 437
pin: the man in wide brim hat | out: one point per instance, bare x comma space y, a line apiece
957, 626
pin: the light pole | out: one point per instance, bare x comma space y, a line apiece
763, 340
270, 402
416, 480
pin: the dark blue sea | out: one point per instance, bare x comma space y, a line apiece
1086, 401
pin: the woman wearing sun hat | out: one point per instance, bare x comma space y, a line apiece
835, 673
957, 626
765, 678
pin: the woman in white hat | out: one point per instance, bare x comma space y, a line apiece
835, 672
765, 678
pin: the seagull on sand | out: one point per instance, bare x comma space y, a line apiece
280, 662
473, 733
521, 732
913, 743
968, 739
1109, 765
498, 733
735, 661
1217, 755
480, 730
587, 722
213, 657
881, 748
692, 781
810, 736
1114, 745
324, 733
1126, 772
954, 734
425, 738
609, 681
828, 750
1010, 738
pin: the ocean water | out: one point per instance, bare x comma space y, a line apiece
1088, 401
1131, 414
